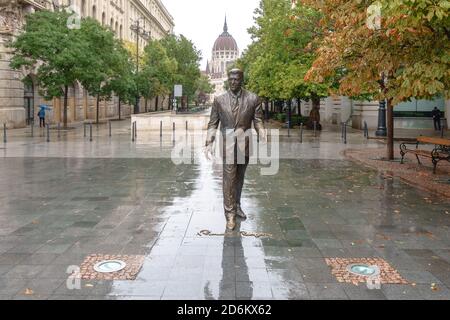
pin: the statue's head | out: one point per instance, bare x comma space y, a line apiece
235, 79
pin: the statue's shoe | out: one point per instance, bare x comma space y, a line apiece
241, 213
231, 221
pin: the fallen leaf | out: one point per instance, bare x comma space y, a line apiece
434, 287
28, 291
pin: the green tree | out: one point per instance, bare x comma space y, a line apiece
123, 83
53, 52
204, 87
188, 59
104, 60
283, 51
158, 71
408, 47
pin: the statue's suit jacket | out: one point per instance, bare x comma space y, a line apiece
250, 111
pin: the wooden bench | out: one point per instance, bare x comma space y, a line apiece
440, 152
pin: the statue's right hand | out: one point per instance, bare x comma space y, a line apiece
208, 151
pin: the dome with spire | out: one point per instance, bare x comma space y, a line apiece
225, 41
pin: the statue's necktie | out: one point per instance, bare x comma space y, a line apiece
235, 106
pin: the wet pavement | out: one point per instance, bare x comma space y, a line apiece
65, 200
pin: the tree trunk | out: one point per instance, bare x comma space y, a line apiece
120, 111
299, 111
390, 130
98, 109
289, 114
314, 115
66, 90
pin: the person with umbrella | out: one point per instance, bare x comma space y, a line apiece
41, 114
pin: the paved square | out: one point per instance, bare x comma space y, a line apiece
72, 199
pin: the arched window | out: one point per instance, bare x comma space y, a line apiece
83, 8
116, 28
121, 32
103, 19
94, 12
111, 23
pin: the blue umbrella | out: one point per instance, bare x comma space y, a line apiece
45, 107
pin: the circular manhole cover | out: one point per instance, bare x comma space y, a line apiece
363, 270
109, 266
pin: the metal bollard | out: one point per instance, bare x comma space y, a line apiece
186, 126
110, 128
90, 131
32, 128
315, 128
342, 130
301, 132
289, 128
173, 132
345, 133
59, 130
442, 131
132, 132
48, 133
84, 124
160, 129
135, 129
4, 133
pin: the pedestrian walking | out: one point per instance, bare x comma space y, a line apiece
436, 113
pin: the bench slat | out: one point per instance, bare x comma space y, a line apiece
433, 140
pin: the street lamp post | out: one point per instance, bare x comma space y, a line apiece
140, 32
381, 130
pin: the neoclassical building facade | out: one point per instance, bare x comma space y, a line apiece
224, 53
18, 102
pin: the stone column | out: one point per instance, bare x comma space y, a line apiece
12, 111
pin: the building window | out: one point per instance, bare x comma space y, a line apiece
94, 12
83, 8
103, 19
120, 32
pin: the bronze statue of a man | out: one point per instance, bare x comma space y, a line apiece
235, 110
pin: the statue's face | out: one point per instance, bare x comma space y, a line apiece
235, 81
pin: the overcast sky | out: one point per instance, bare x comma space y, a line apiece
202, 21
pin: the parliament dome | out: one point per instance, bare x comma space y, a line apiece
225, 42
